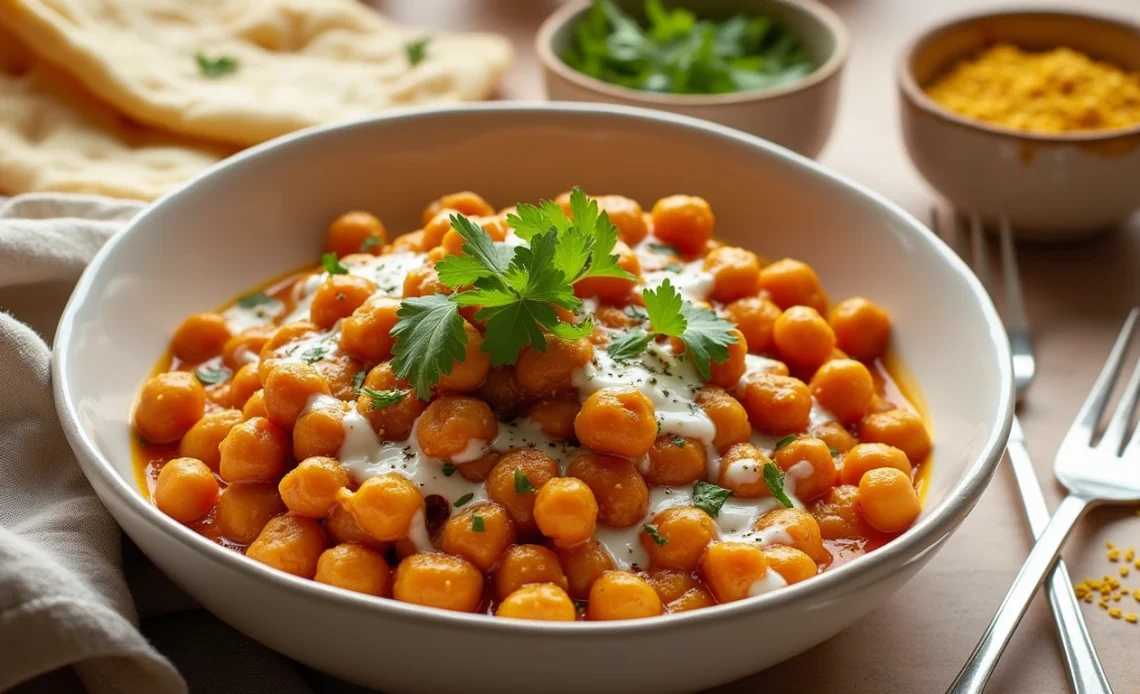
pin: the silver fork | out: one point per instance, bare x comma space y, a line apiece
1095, 469
1085, 673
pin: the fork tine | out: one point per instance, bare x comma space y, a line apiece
1117, 430
1093, 408
979, 260
1014, 316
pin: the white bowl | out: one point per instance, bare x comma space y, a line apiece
263, 212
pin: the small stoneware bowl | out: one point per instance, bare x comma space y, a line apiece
264, 212
798, 116
1052, 187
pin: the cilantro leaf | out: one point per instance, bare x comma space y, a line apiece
448, 469
629, 344
358, 380
332, 265
429, 340
481, 258
216, 67
709, 497
522, 482
665, 307
651, 530
477, 524
464, 499
383, 398
313, 355
571, 331
583, 211
775, 481
511, 328
255, 299
784, 441
706, 337
417, 50
528, 220
210, 376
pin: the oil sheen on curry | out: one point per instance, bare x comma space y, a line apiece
572, 410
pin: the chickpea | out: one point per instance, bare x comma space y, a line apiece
439, 580
342, 527
755, 317
676, 461
411, 241
468, 373
169, 405
888, 500
792, 283
288, 389
566, 511
435, 229
684, 222
727, 414
792, 564
478, 470
862, 328
338, 297
583, 564
424, 281
271, 351
502, 392
838, 516
253, 451
742, 471
902, 429
480, 534
200, 337
464, 202
520, 467
186, 489
776, 404
318, 432
619, 420
835, 436
541, 601
808, 461
870, 456
686, 531
735, 271
671, 584
355, 568
555, 417
355, 232
543, 374
243, 348
394, 422
384, 506
614, 318
621, 493
799, 527
310, 488
803, 338
245, 383
290, 543
621, 595
453, 242
255, 406
451, 423
526, 564
845, 388
206, 435
366, 333
693, 599
245, 507
727, 374
613, 290
731, 570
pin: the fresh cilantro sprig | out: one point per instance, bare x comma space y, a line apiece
775, 481
332, 264
383, 398
705, 335
655, 535
709, 497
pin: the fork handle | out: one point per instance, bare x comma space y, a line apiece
1086, 676
974, 675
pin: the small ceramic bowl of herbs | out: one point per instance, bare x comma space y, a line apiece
767, 67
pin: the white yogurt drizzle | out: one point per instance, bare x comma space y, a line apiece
690, 279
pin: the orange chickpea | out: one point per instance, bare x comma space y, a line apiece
501, 390
355, 568
727, 374
342, 527
541, 601
838, 516
686, 531
626, 215
338, 297
245, 507
206, 435
288, 389
583, 564
245, 383
450, 423
621, 492
614, 290
803, 338
618, 420
566, 511
169, 405
798, 526
819, 473
366, 333
621, 595
614, 318
742, 471
676, 461
870, 456
792, 283
693, 599
436, 228
186, 489
845, 388
318, 432
480, 534
555, 417
731, 569
735, 271
888, 500
424, 281
243, 348
384, 506
755, 317
776, 404
255, 406
310, 488
411, 241
200, 337
526, 564
684, 222
394, 422
902, 429
340, 372
292, 544
439, 580
862, 328
727, 414
253, 451
273, 348
468, 373
478, 470
520, 467
670, 584
792, 564
464, 202
355, 232
543, 374
835, 436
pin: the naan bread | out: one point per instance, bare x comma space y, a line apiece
301, 62
56, 137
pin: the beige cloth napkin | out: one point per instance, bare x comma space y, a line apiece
66, 607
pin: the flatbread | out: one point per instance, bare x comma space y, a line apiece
300, 62
56, 137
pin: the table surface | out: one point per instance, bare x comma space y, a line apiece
1077, 296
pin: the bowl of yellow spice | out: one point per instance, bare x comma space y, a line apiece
1031, 114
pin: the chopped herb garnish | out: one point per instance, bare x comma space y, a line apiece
673, 267
522, 482
832, 451
679, 441
785, 441
369, 243
383, 398
216, 67
663, 248
331, 265
448, 469
476, 522
314, 354
628, 344
464, 499
252, 300
709, 497
651, 530
358, 380
210, 376
417, 50
775, 481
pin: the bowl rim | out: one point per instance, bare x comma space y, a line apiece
820, 13
925, 535
917, 97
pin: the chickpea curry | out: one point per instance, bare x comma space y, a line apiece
568, 411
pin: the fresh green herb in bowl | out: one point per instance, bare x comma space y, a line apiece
678, 53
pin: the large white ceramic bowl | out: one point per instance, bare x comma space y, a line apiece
264, 212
